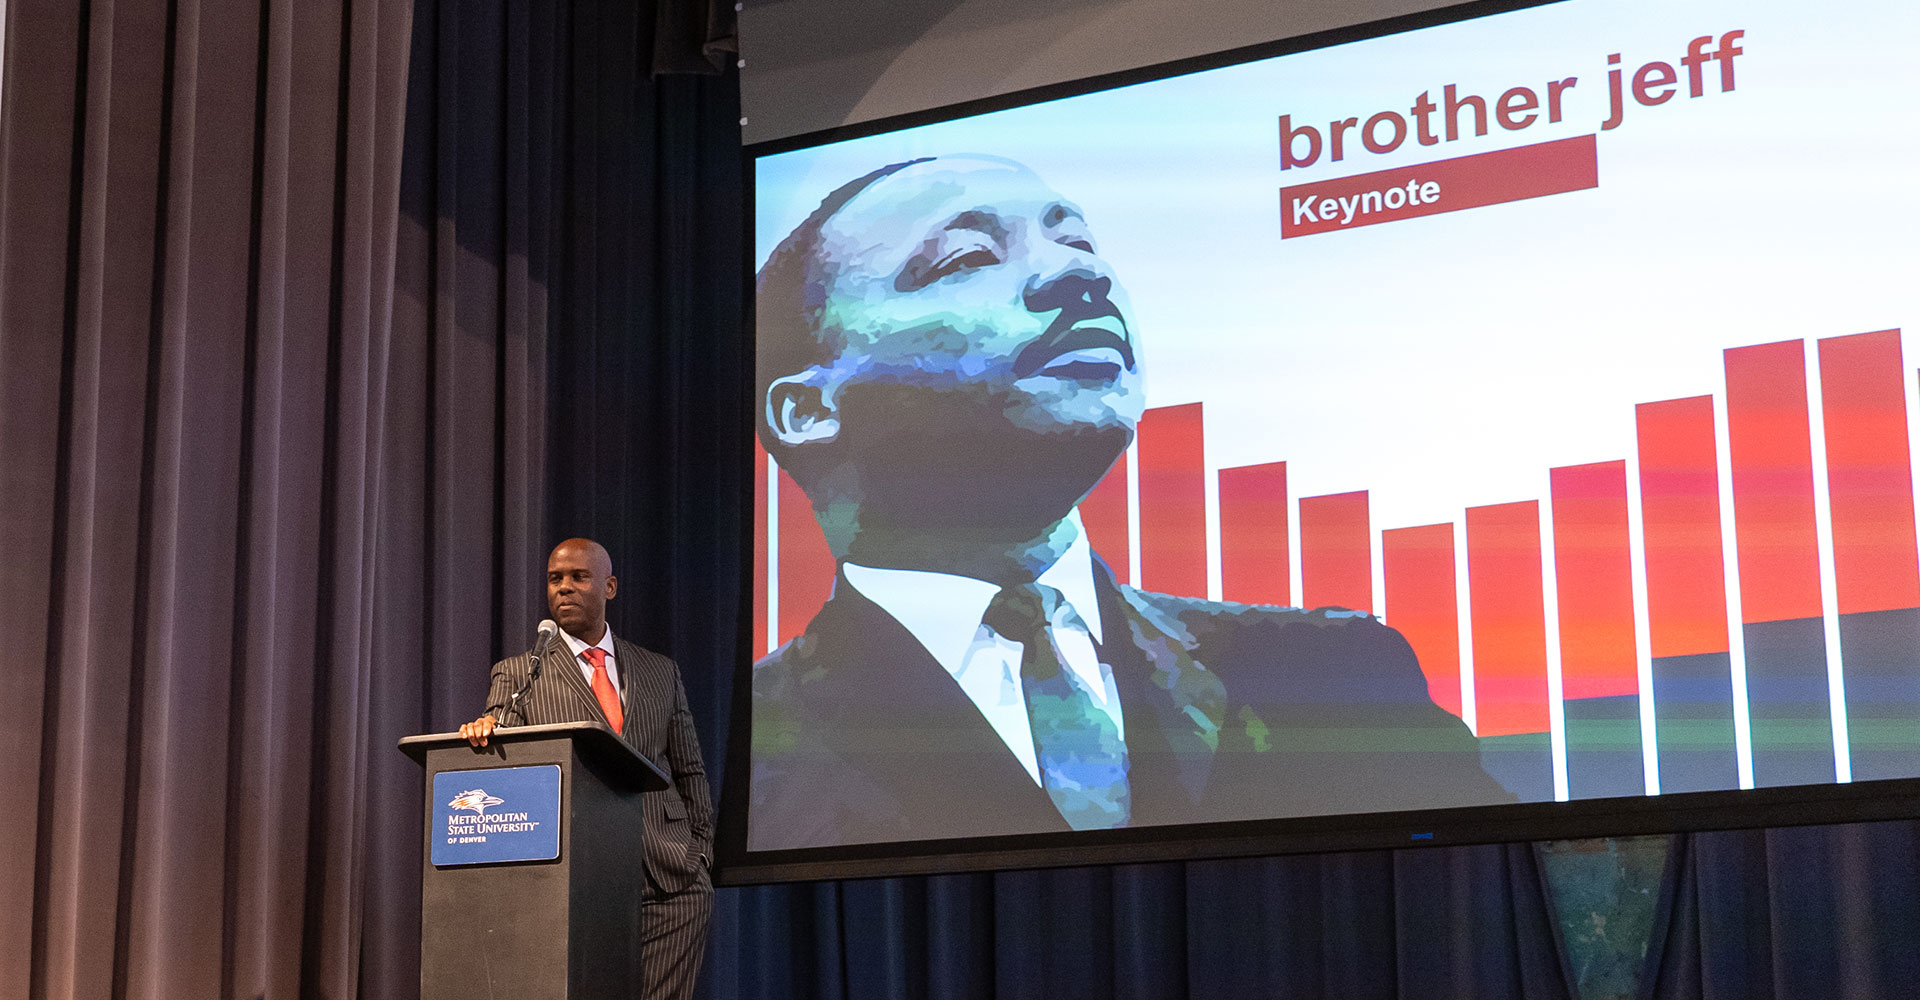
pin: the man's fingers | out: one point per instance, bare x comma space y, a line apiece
477, 731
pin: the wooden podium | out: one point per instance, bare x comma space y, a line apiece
541, 897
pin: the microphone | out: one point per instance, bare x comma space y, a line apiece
538, 657
547, 631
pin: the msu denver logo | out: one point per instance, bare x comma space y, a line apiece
475, 799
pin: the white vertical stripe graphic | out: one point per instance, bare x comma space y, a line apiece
1133, 513
1730, 555
1469, 710
1829, 585
1910, 385
1550, 606
1210, 505
773, 555
1376, 554
1642, 627
1296, 575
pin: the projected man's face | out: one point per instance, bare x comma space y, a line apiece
971, 275
987, 375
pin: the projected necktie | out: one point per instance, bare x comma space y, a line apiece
603, 688
1083, 761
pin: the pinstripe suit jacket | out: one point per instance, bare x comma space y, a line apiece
678, 820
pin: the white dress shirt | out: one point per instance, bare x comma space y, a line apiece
943, 611
586, 669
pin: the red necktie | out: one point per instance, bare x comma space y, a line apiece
603, 689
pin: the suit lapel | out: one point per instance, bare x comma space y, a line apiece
896, 715
633, 696
1174, 705
562, 662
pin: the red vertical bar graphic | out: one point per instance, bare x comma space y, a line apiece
1869, 474
1509, 618
1594, 579
1173, 504
1104, 514
759, 475
806, 565
1423, 605
1336, 555
1254, 554
1771, 450
1680, 512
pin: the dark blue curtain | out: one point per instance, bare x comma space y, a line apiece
1465, 923
1789, 914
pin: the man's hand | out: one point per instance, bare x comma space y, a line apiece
477, 731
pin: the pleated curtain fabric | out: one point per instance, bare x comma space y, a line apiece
1800, 913
196, 296
278, 286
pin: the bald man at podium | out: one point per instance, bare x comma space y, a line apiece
588, 675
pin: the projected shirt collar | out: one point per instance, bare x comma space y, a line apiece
586, 669
943, 610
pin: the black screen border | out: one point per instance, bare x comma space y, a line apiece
1670, 813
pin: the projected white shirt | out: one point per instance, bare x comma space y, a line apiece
943, 612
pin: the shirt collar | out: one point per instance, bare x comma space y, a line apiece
578, 646
943, 610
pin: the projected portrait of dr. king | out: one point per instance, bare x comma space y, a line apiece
947, 367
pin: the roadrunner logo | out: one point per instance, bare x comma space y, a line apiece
475, 799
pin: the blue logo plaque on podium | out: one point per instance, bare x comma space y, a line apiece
496, 815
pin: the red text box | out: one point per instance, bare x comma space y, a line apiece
1441, 186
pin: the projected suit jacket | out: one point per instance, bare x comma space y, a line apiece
1232, 712
677, 821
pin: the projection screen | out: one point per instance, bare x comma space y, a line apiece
1489, 424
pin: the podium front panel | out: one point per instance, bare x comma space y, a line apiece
568, 927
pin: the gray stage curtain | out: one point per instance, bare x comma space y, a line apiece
274, 427
201, 398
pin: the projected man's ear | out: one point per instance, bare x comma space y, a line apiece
800, 409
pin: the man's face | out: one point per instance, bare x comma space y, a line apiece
579, 583
970, 276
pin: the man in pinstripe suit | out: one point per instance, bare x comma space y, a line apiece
589, 676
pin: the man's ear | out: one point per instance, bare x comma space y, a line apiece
800, 410
613, 586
